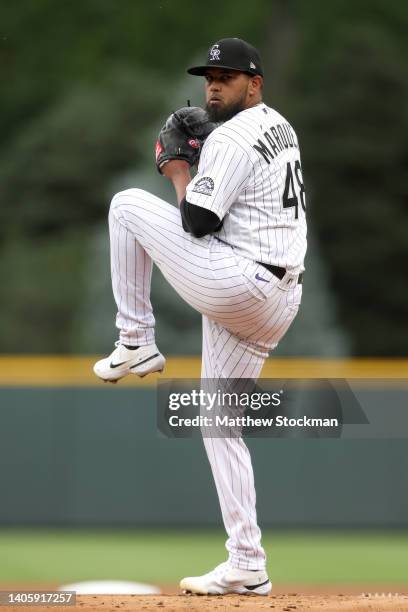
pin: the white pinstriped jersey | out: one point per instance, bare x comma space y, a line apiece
250, 175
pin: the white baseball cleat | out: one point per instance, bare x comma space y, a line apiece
226, 579
123, 361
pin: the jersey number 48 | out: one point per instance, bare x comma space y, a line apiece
290, 197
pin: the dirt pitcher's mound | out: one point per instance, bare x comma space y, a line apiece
193, 603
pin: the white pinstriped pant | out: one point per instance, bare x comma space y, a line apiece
243, 319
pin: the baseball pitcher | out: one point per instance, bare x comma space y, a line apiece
234, 250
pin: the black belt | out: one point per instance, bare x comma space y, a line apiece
279, 272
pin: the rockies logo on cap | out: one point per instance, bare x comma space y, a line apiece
215, 52
236, 54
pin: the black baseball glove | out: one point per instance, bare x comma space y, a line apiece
183, 136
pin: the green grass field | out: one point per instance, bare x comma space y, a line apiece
58, 556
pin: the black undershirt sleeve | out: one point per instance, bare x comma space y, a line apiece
198, 220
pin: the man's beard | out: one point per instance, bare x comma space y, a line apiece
218, 114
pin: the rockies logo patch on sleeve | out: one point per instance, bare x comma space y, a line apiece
204, 185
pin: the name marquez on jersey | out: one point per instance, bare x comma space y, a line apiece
278, 138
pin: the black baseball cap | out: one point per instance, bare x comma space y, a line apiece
232, 54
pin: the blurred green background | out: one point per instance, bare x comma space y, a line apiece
85, 89
163, 557
90, 489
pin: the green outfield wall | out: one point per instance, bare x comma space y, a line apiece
80, 456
